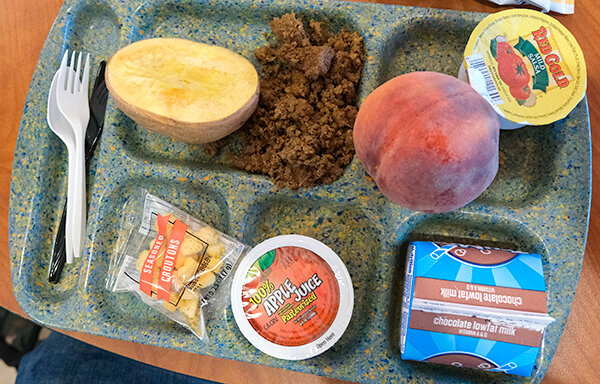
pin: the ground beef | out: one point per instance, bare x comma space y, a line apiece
301, 132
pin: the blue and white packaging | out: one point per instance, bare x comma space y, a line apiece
474, 307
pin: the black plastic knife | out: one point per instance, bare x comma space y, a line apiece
98, 102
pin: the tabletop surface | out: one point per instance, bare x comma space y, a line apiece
23, 30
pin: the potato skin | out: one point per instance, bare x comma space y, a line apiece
196, 130
429, 141
193, 133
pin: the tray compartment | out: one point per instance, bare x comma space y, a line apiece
200, 201
197, 199
485, 229
524, 174
464, 228
146, 145
44, 215
437, 44
345, 227
234, 26
427, 43
94, 27
217, 23
87, 24
129, 310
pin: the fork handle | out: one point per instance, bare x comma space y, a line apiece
63, 243
59, 256
79, 208
70, 201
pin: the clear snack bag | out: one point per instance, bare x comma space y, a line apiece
177, 264
543, 4
559, 6
563, 6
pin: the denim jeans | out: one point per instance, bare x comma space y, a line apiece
62, 359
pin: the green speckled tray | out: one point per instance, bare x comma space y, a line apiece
539, 201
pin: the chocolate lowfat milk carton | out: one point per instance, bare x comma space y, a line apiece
474, 307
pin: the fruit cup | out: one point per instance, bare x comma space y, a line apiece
527, 66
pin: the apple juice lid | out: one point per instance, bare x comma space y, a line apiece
527, 65
292, 297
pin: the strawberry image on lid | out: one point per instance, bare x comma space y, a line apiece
527, 65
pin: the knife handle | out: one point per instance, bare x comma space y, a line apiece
59, 253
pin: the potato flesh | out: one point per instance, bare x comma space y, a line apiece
183, 80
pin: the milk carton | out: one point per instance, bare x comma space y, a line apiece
474, 307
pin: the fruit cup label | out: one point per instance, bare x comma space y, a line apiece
290, 296
527, 65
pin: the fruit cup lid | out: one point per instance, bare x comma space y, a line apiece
292, 297
527, 65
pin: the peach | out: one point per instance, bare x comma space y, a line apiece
429, 141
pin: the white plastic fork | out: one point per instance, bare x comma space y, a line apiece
61, 127
72, 101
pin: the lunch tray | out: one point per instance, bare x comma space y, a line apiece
539, 201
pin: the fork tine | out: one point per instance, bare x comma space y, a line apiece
86, 75
71, 74
62, 76
77, 82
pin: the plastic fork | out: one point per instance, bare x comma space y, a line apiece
61, 127
72, 101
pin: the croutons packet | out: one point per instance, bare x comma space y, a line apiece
177, 264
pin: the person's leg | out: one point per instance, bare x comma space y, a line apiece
17, 337
62, 359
